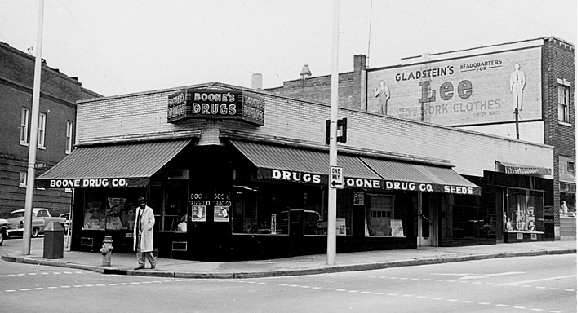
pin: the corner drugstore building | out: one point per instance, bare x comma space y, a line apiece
236, 173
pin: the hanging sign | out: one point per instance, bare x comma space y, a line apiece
215, 104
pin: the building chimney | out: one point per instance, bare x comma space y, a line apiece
359, 62
257, 81
305, 72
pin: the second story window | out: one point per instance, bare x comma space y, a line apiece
69, 129
23, 179
42, 130
564, 103
24, 124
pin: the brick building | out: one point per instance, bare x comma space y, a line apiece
56, 127
237, 173
473, 89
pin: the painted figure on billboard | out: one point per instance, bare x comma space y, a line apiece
517, 84
383, 95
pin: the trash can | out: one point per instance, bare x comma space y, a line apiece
53, 241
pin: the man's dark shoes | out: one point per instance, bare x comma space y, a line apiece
153, 266
140, 267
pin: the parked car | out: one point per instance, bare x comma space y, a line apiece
16, 222
3, 227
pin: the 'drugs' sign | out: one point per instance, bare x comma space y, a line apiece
215, 104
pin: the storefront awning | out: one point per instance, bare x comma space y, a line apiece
293, 164
300, 165
120, 165
419, 177
512, 168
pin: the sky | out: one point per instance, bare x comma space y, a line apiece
119, 47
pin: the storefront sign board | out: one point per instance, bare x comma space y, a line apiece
311, 178
92, 182
216, 104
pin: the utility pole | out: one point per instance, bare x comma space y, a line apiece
332, 201
33, 144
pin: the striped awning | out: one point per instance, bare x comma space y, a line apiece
118, 165
302, 165
285, 163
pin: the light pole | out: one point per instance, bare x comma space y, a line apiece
32, 145
332, 201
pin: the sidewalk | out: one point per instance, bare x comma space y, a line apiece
123, 263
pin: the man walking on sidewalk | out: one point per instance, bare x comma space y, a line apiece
143, 234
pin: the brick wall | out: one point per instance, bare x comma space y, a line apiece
558, 63
145, 115
318, 89
57, 100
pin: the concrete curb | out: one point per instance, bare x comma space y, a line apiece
296, 272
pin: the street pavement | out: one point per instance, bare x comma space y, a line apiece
124, 263
544, 283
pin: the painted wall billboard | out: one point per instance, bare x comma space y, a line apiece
463, 91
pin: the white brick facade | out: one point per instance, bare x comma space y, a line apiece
145, 114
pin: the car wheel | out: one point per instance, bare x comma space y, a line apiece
35, 232
1, 237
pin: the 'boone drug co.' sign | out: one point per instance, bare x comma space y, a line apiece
215, 104
88, 183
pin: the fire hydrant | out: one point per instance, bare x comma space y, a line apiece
106, 250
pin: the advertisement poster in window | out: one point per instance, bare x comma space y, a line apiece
199, 213
396, 227
221, 213
93, 216
340, 228
117, 214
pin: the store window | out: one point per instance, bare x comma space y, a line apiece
175, 217
381, 217
109, 210
273, 209
69, 130
525, 211
564, 103
42, 130
24, 124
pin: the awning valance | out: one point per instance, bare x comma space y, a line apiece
301, 165
420, 177
119, 165
520, 169
283, 163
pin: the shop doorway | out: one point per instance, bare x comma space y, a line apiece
428, 211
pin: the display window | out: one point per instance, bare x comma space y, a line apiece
267, 209
109, 210
381, 218
525, 211
174, 215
